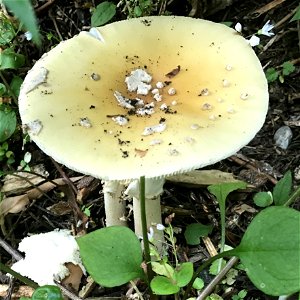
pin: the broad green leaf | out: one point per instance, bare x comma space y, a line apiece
161, 285
194, 231
103, 13
47, 292
272, 74
183, 274
283, 189
163, 269
270, 251
23, 10
7, 30
137, 11
8, 122
198, 284
15, 85
263, 199
11, 60
296, 16
287, 68
112, 255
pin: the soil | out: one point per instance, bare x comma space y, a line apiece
261, 163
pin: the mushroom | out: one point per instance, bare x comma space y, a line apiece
75, 102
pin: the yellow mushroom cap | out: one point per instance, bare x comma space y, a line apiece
220, 100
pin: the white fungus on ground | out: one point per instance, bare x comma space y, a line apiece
138, 81
45, 256
155, 129
155, 91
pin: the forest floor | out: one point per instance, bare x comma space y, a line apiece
261, 163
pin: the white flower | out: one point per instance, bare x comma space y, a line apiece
266, 30
238, 27
254, 40
28, 35
160, 227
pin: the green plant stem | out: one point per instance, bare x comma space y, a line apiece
293, 197
8, 88
150, 273
204, 266
26, 280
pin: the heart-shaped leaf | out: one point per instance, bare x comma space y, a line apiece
194, 231
161, 285
8, 122
270, 251
112, 255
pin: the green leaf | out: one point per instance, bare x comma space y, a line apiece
263, 199
283, 189
183, 274
23, 10
112, 255
11, 60
198, 284
194, 231
47, 292
287, 68
271, 74
163, 269
222, 190
15, 85
103, 13
270, 251
2, 89
214, 268
161, 285
137, 11
7, 30
8, 122
296, 16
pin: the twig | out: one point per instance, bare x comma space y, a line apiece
64, 176
209, 288
66, 292
284, 19
55, 25
248, 165
14, 253
44, 6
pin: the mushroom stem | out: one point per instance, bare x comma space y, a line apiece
154, 188
114, 204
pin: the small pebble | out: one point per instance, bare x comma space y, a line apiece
283, 137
